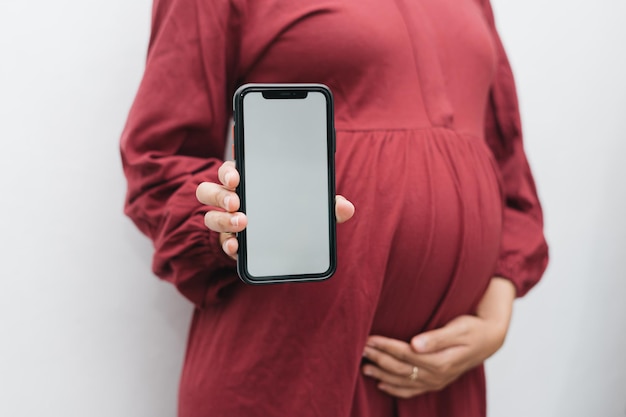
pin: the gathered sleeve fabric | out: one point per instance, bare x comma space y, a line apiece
524, 251
174, 139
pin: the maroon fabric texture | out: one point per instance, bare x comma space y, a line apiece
429, 149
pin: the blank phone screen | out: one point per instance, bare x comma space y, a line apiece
286, 185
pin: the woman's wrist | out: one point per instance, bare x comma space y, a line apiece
496, 306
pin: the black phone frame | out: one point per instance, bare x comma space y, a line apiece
284, 91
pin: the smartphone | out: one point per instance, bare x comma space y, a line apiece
285, 153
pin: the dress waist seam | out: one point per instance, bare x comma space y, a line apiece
442, 129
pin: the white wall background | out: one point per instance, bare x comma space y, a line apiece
85, 330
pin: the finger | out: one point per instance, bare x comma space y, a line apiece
403, 353
222, 222
344, 209
400, 392
425, 379
452, 334
422, 380
215, 195
399, 349
445, 364
387, 362
230, 245
432, 371
228, 175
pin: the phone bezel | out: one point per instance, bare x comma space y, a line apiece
239, 151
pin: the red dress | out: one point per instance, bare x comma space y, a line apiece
429, 149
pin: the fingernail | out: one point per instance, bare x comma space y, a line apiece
227, 202
367, 371
365, 352
420, 344
227, 178
234, 220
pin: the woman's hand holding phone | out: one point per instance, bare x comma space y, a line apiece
229, 220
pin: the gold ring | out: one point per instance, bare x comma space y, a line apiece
414, 372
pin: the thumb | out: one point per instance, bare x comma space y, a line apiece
445, 337
344, 209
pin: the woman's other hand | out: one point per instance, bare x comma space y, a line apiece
434, 359
224, 217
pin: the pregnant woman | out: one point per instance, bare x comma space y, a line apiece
447, 229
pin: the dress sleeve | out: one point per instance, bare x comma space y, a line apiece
174, 139
524, 252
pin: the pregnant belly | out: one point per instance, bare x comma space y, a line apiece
427, 231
